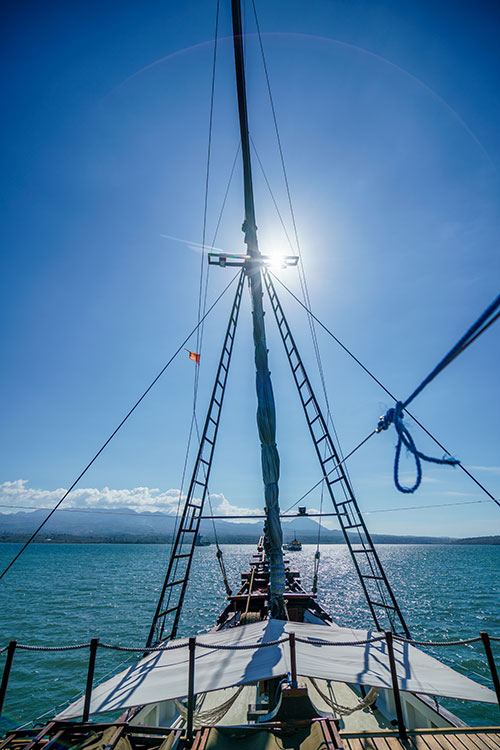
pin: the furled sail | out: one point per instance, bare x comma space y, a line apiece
266, 423
266, 413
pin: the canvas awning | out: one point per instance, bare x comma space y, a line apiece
164, 675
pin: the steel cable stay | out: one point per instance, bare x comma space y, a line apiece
256, 516
219, 554
301, 268
373, 580
388, 392
199, 349
118, 428
375, 585
330, 471
302, 278
203, 289
396, 414
176, 579
194, 421
202, 292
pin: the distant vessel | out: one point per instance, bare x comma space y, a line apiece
293, 546
202, 541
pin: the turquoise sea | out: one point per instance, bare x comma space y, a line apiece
66, 593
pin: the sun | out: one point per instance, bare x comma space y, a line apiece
276, 259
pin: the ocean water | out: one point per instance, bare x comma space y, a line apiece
60, 594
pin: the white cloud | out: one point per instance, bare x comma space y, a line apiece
222, 507
491, 469
139, 499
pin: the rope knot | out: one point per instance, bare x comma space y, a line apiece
395, 416
387, 419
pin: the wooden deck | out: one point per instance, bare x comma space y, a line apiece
321, 734
464, 738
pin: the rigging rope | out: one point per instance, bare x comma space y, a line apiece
302, 273
367, 701
134, 514
212, 715
116, 430
305, 292
199, 334
183, 643
317, 554
387, 391
395, 415
325, 476
218, 554
202, 293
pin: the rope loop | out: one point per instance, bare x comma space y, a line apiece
395, 416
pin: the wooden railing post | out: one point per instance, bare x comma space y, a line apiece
6, 672
491, 663
191, 696
293, 660
94, 643
395, 687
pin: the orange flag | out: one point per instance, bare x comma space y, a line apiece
194, 356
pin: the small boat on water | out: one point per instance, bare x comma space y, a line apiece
293, 546
277, 669
202, 541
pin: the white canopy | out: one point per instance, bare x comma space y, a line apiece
164, 675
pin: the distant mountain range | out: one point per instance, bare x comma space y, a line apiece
125, 525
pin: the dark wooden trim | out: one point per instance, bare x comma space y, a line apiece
191, 695
395, 687
491, 663
293, 660
6, 672
94, 643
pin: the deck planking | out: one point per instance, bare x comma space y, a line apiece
426, 739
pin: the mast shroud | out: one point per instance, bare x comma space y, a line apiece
266, 411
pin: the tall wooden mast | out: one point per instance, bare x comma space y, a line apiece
266, 413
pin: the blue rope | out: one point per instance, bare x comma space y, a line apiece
481, 324
395, 415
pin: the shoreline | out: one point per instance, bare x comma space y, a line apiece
467, 542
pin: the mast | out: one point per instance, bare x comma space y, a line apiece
266, 412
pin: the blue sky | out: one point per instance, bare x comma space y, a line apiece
389, 118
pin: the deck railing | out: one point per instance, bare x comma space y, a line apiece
292, 638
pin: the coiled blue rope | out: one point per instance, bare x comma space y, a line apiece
395, 415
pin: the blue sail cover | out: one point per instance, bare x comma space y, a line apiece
266, 423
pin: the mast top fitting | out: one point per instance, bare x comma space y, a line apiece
234, 259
